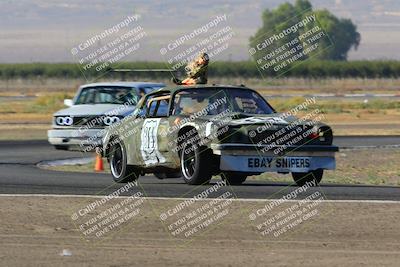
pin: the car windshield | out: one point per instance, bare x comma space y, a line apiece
212, 101
107, 95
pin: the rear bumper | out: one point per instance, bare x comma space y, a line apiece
252, 159
265, 149
75, 137
257, 164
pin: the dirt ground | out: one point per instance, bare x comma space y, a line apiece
41, 231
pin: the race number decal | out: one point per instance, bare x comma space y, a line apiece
149, 142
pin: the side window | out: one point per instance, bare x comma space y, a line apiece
162, 110
152, 108
157, 106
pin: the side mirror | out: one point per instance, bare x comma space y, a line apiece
68, 102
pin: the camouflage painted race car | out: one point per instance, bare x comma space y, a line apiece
204, 130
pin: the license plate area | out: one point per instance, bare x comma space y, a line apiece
275, 164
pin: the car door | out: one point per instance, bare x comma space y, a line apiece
152, 139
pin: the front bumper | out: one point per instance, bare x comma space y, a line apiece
76, 137
252, 159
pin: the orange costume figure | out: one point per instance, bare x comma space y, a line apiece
196, 71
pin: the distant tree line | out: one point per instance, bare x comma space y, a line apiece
245, 69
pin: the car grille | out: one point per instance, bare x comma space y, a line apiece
283, 135
90, 121
279, 135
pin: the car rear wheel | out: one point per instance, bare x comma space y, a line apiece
301, 178
120, 170
195, 165
234, 178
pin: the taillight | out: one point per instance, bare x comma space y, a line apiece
322, 134
313, 135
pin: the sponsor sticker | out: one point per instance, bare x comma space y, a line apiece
273, 162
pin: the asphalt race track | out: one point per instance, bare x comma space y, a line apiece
20, 175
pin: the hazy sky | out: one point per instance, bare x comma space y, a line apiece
47, 30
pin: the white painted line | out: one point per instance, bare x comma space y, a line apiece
368, 147
323, 95
183, 199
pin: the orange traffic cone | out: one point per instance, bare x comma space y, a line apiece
98, 166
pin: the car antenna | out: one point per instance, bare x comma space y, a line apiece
123, 72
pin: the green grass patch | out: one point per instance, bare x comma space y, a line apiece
244, 69
44, 104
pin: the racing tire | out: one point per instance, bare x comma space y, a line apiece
195, 164
301, 178
234, 178
120, 170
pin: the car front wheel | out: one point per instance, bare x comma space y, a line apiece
120, 170
314, 177
195, 165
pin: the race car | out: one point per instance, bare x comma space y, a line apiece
94, 107
204, 130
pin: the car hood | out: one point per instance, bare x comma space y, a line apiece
244, 119
95, 109
275, 118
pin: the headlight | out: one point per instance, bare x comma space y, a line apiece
64, 121
209, 128
110, 120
